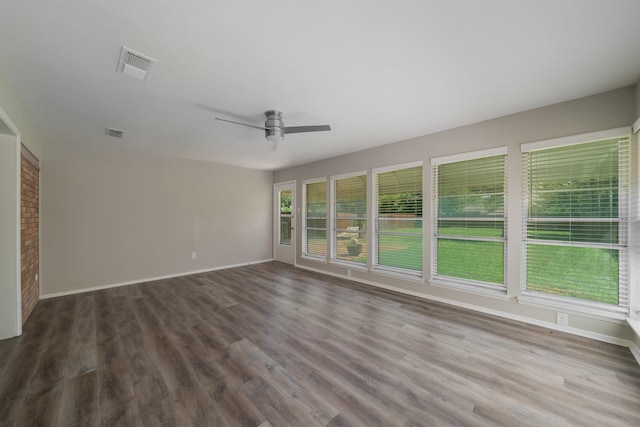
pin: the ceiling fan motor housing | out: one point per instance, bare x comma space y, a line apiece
274, 124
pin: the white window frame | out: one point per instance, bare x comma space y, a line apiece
634, 233
332, 217
305, 254
374, 226
473, 286
559, 302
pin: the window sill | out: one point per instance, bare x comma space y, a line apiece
634, 322
409, 277
321, 260
476, 289
350, 265
583, 308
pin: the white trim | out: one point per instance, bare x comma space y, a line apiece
536, 322
150, 279
473, 288
4, 117
636, 125
351, 265
471, 155
19, 235
348, 175
634, 322
392, 168
314, 181
576, 139
10, 124
406, 275
580, 307
635, 351
315, 258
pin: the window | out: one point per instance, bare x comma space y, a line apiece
576, 209
634, 232
285, 217
398, 237
315, 218
470, 219
350, 218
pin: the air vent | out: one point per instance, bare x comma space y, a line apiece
116, 133
135, 64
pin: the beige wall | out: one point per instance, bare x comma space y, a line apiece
111, 216
600, 112
13, 108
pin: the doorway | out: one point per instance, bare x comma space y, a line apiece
284, 237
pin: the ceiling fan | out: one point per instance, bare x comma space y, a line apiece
274, 128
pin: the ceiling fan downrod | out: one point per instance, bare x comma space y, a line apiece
275, 129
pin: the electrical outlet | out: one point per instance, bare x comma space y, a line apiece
562, 319
194, 255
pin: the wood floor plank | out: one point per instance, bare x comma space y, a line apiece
310, 407
83, 355
23, 362
79, 401
271, 345
156, 412
115, 389
236, 407
274, 406
195, 407
6, 350
41, 405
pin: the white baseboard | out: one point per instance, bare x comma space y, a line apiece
635, 350
524, 319
634, 322
148, 279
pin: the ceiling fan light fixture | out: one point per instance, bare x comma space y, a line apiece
273, 138
272, 143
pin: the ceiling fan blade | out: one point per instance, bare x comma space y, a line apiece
300, 129
242, 124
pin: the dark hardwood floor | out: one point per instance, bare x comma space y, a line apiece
270, 345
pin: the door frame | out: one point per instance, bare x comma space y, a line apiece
10, 247
277, 189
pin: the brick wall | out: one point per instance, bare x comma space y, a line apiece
29, 232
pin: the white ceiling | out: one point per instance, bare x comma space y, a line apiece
376, 71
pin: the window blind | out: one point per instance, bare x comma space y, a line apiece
470, 220
575, 216
350, 219
285, 217
315, 209
399, 219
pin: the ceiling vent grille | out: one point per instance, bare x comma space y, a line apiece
116, 133
134, 64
